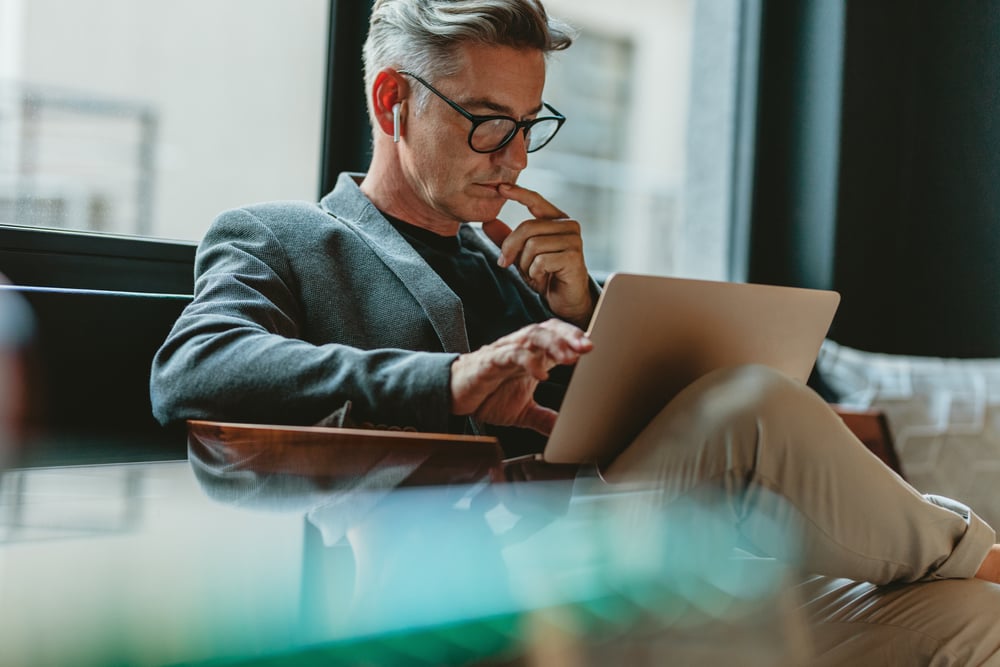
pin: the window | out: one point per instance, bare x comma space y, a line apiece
646, 159
149, 117
159, 115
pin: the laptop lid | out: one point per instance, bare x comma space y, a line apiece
655, 335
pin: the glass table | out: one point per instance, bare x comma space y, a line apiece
190, 563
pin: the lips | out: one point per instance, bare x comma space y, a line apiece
493, 181
497, 179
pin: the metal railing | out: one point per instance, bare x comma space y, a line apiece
76, 160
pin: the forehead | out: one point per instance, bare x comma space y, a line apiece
502, 75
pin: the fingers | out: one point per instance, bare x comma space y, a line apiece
555, 339
549, 221
551, 254
536, 349
550, 245
503, 375
538, 205
534, 237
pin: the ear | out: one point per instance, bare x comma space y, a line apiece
388, 90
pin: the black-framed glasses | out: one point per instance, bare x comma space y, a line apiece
491, 133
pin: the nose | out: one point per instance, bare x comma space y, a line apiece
515, 154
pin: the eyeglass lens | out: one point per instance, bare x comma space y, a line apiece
492, 134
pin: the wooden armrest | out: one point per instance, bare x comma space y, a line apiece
438, 458
872, 428
342, 453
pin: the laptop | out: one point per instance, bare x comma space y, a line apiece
654, 335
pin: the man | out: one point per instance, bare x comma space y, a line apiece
381, 306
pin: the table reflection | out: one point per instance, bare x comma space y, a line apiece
197, 562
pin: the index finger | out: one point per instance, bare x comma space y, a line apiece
539, 206
566, 334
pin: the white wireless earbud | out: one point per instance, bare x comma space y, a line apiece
395, 122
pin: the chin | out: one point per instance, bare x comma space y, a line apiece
476, 204
482, 211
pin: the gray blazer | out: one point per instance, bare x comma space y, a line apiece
301, 308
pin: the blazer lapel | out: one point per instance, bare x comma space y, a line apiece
443, 307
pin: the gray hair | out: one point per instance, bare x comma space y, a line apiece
423, 36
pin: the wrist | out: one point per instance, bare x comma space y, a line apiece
579, 316
458, 383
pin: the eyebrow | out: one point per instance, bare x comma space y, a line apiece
496, 107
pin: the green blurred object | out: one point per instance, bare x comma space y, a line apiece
136, 564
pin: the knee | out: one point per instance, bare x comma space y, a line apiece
748, 391
744, 404
725, 417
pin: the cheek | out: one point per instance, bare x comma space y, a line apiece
446, 167
436, 154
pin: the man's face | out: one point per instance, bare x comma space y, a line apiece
447, 177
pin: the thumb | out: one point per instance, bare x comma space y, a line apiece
539, 419
497, 230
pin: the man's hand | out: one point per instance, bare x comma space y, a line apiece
496, 383
548, 251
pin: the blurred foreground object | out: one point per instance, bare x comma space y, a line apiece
400, 572
162, 563
15, 336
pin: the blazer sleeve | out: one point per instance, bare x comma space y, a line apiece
236, 352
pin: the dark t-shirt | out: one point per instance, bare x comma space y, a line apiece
493, 308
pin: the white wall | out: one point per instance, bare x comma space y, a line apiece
237, 85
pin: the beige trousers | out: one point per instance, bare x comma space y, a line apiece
889, 568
